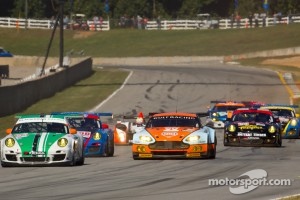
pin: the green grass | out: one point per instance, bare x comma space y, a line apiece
83, 96
257, 62
132, 42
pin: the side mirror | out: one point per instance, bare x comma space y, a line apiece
73, 131
8, 131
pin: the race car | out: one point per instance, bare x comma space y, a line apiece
174, 135
125, 128
289, 119
221, 110
123, 132
41, 140
252, 127
98, 137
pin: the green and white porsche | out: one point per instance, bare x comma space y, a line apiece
41, 140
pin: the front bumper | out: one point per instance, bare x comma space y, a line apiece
248, 142
9, 158
140, 151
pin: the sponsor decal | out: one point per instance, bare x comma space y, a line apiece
190, 155
169, 134
243, 123
251, 127
170, 131
20, 135
148, 155
252, 134
37, 153
85, 134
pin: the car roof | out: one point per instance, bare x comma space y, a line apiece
277, 107
175, 114
41, 118
89, 115
247, 110
229, 103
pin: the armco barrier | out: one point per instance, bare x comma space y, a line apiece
16, 98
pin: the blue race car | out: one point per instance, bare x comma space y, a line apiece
221, 110
289, 119
98, 137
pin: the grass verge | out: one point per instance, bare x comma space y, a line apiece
257, 62
82, 96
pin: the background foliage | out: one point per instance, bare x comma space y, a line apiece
166, 9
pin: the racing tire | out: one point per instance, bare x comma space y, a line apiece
111, 148
225, 143
279, 141
72, 162
135, 157
82, 158
213, 152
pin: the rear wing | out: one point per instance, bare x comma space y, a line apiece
253, 104
100, 114
283, 105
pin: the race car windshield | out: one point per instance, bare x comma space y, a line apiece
173, 121
122, 127
40, 127
282, 112
90, 123
84, 123
252, 117
225, 108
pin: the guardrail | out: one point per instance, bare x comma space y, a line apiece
7, 22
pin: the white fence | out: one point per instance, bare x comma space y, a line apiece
6, 22
151, 25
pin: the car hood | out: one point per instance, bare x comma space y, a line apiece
170, 133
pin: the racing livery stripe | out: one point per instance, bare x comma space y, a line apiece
42, 142
35, 142
87, 140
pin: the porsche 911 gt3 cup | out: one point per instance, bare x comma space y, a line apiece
97, 136
252, 127
41, 140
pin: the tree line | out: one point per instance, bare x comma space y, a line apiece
165, 9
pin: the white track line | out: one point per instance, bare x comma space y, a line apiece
115, 92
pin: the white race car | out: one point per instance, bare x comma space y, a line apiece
42, 140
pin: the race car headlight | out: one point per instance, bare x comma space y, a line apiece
215, 114
272, 129
145, 139
97, 136
193, 138
293, 122
231, 128
62, 142
9, 142
122, 136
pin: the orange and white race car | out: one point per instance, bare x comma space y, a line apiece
124, 130
174, 135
